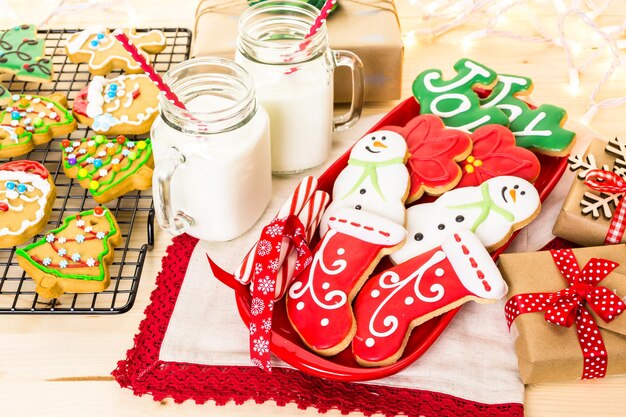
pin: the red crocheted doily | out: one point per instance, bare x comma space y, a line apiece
144, 373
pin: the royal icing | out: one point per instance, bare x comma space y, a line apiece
319, 300
392, 303
492, 210
129, 100
23, 183
29, 121
454, 100
22, 54
375, 180
105, 162
434, 152
102, 52
72, 256
495, 154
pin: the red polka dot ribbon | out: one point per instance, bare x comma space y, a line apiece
567, 306
266, 266
610, 183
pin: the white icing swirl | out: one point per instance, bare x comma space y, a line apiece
95, 98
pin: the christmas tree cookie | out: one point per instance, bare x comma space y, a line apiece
109, 168
22, 54
75, 257
29, 121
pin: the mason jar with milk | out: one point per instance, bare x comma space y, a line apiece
212, 176
293, 79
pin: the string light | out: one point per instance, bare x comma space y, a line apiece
585, 48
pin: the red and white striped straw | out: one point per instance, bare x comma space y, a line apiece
147, 68
321, 18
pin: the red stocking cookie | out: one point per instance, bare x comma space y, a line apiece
319, 303
434, 151
391, 304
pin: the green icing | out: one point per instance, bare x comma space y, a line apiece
486, 206
23, 54
23, 252
454, 100
369, 170
5, 120
114, 178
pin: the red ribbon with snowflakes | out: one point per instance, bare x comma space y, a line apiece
266, 267
567, 307
610, 183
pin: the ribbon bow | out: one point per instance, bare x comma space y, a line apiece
266, 267
567, 306
610, 183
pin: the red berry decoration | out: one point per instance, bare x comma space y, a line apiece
65, 143
98, 211
26, 66
121, 139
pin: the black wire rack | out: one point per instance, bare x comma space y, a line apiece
17, 290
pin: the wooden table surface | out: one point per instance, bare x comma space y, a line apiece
60, 366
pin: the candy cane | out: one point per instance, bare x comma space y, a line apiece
310, 216
293, 205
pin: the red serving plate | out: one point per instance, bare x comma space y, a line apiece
285, 342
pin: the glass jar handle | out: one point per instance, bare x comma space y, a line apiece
164, 169
352, 61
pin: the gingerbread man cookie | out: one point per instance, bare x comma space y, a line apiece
319, 302
29, 121
492, 210
109, 168
74, 257
394, 302
125, 105
97, 47
375, 180
27, 193
22, 54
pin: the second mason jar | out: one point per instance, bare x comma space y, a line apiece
293, 80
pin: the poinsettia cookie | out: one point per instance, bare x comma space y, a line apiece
394, 302
319, 302
109, 168
495, 154
125, 105
23, 54
102, 52
74, 257
29, 120
434, 153
27, 193
376, 179
492, 210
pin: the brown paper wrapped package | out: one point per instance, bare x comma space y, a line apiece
547, 352
369, 28
571, 224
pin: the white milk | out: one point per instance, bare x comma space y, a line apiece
300, 107
225, 183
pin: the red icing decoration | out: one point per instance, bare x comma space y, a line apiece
80, 102
98, 211
398, 299
65, 143
320, 310
434, 151
495, 154
26, 166
4, 206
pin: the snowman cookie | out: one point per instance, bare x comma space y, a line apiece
492, 210
27, 193
125, 105
394, 302
103, 53
375, 180
29, 120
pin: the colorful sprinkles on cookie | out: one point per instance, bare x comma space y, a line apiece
22, 54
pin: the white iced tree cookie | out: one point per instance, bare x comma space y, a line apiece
375, 180
492, 210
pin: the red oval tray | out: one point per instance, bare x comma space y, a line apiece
285, 342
